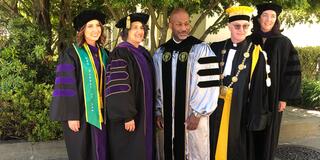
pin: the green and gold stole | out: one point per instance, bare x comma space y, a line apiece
92, 90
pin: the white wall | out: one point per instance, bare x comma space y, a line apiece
303, 35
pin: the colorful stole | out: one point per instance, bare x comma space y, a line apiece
92, 90
222, 144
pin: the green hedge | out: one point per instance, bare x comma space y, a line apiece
309, 57
26, 78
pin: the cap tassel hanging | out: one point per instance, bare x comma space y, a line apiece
128, 22
125, 22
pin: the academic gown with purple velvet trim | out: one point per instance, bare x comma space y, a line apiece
68, 104
129, 96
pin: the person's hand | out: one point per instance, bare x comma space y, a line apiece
282, 106
159, 121
192, 122
130, 126
74, 125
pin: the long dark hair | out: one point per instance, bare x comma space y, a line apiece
256, 29
81, 39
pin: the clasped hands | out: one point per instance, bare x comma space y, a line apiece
192, 122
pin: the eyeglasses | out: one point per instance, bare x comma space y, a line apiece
239, 26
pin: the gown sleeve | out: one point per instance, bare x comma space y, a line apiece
120, 97
290, 80
65, 98
157, 59
204, 79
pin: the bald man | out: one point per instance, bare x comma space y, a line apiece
187, 80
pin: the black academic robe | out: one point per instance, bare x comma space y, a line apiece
128, 102
236, 149
187, 77
263, 118
68, 104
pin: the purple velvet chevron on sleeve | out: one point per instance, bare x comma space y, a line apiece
118, 88
64, 93
119, 63
116, 77
65, 68
65, 81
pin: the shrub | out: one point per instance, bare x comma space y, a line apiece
26, 78
309, 57
311, 94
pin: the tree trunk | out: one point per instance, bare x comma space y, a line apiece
164, 29
65, 31
9, 10
42, 15
152, 37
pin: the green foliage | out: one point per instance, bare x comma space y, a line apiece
311, 94
309, 57
28, 45
26, 85
25, 115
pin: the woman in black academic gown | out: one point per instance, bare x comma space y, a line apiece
78, 93
130, 93
276, 80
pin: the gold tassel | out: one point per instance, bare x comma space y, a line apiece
128, 22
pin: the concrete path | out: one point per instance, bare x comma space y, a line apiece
299, 127
54, 150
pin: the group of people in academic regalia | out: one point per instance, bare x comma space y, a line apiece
190, 101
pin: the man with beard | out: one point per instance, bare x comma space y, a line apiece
187, 80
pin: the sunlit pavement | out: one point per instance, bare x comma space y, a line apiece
299, 135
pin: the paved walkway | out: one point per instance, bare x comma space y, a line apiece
54, 150
299, 127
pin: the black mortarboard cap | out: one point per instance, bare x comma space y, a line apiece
269, 6
142, 17
86, 16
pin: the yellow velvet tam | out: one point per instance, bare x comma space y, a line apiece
239, 13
